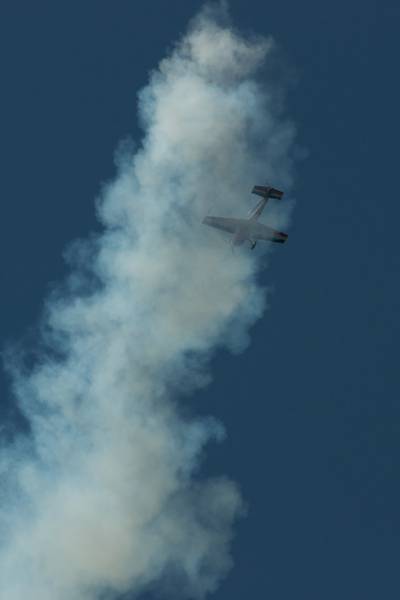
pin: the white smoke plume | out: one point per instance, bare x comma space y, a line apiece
104, 496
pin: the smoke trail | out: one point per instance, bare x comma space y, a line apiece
103, 497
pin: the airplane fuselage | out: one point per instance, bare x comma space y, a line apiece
242, 234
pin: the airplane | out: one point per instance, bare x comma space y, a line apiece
249, 229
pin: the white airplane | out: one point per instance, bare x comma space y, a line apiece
249, 229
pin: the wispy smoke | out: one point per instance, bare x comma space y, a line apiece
105, 496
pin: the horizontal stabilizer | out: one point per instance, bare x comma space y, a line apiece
267, 192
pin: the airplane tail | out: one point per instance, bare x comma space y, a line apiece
267, 192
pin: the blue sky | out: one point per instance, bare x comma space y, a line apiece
311, 407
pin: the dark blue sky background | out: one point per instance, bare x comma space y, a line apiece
312, 407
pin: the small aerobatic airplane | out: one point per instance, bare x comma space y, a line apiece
250, 229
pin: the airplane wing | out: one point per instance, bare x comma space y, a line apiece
258, 231
224, 223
